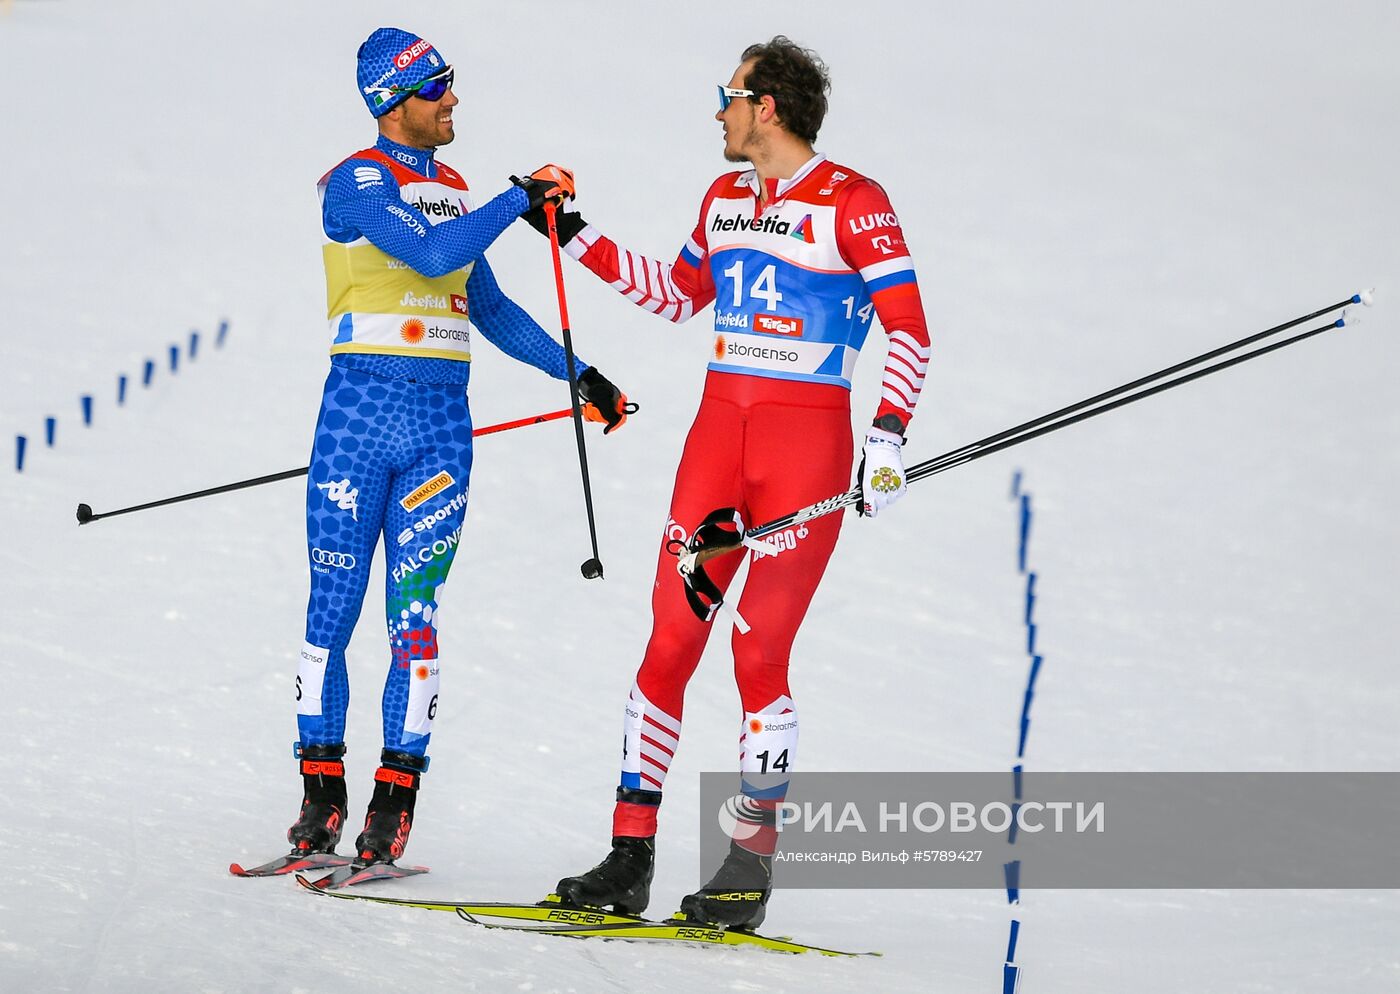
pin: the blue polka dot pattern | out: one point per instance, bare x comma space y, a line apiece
392, 57
391, 458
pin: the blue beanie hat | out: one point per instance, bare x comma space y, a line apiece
393, 57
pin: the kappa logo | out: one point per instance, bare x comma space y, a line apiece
343, 496
775, 325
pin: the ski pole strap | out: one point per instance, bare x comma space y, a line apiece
722, 531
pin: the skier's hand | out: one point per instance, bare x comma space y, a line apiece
881, 472
605, 403
567, 223
547, 183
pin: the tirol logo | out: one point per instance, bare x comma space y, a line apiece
412, 54
775, 325
436, 485
770, 225
459, 304
412, 331
803, 231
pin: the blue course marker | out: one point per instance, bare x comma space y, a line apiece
174, 358
86, 401
194, 344
222, 334
121, 389
50, 429
20, 443
147, 372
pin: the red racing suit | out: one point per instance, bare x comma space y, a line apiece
795, 277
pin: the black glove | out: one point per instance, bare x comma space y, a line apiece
547, 183
567, 223
606, 403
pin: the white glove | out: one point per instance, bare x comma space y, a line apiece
881, 471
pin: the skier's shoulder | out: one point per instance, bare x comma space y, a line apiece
365, 170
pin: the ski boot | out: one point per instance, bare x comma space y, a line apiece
622, 881
390, 815
737, 895
318, 827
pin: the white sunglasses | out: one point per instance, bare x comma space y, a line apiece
727, 94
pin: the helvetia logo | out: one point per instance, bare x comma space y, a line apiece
412, 331
770, 225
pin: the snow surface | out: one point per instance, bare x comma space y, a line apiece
1092, 191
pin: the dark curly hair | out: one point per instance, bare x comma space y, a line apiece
796, 78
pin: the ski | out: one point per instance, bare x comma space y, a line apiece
293, 862
360, 873
548, 911
670, 930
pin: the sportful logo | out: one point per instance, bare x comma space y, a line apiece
432, 520
367, 176
803, 231
342, 496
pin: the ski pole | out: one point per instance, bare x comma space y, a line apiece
85, 513
591, 568
710, 540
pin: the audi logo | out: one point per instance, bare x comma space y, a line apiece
340, 560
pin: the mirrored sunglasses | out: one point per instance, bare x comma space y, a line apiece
431, 88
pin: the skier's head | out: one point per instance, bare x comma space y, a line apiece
783, 86
393, 65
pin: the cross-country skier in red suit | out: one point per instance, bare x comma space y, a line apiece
798, 254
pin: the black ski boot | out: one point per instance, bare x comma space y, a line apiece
622, 881
737, 895
318, 827
390, 816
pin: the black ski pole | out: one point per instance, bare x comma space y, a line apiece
592, 568
713, 541
85, 513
